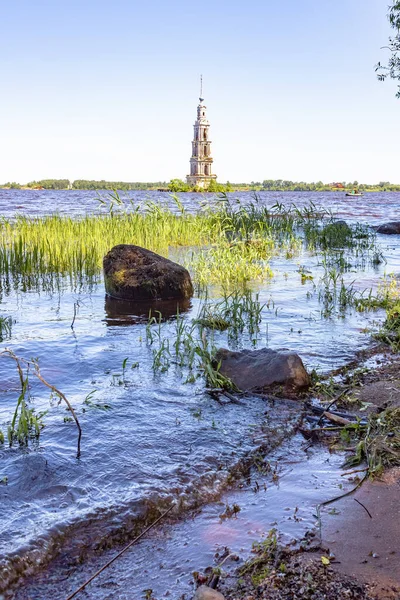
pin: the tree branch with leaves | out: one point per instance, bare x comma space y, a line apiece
392, 69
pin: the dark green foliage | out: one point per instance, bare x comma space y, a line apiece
390, 332
379, 446
50, 184
392, 68
84, 184
5, 328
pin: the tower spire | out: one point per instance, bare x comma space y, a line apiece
201, 160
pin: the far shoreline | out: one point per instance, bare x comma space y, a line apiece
392, 188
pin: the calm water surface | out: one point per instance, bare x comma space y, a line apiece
147, 438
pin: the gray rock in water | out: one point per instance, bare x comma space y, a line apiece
264, 368
391, 228
206, 593
134, 273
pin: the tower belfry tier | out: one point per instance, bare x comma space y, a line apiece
201, 160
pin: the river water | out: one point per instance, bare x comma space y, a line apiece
147, 438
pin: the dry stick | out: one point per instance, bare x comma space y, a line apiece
336, 398
335, 499
61, 395
364, 507
355, 471
120, 553
13, 356
231, 397
73, 320
336, 419
214, 579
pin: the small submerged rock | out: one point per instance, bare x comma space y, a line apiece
263, 369
390, 228
206, 593
137, 274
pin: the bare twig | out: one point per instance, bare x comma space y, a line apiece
336, 398
76, 305
355, 471
335, 419
17, 361
37, 373
335, 499
364, 507
231, 397
82, 587
63, 397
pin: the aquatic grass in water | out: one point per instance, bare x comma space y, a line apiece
53, 252
191, 349
230, 246
228, 265
238, 312
5, 328
337, 296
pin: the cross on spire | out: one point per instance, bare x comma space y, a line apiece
201, 88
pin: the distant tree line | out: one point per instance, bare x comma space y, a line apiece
280, 185
84, 184
50, 184
178, 185
90, 184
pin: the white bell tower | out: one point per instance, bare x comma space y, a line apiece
201, 161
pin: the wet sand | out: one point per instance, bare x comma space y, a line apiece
367, 547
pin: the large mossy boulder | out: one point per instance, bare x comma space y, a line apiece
264, 369
390, 228
136, 274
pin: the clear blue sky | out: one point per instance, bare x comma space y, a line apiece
108, 90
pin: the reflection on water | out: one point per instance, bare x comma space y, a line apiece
158, 438
125, 312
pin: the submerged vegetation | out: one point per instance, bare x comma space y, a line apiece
225, 243
228, 243
192, 349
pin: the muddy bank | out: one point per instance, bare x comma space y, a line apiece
363, 533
